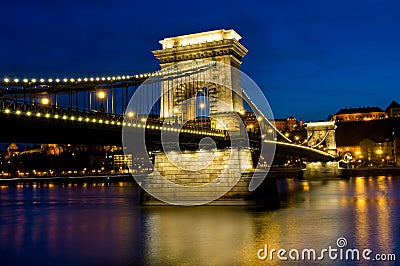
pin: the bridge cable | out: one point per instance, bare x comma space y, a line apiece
247, 98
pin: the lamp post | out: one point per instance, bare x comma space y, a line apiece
176, 110
101, 95
45, 101
130, 115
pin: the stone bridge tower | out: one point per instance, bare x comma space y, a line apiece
322, 133
219, 45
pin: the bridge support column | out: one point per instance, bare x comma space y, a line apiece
231, 164
322, 170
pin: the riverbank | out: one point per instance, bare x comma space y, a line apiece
277, 173
371, 171
65, 179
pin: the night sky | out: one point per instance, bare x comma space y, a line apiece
311, 58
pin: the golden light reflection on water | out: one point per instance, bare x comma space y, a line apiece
361, 226
101, 224
318, 213
368, 201
202, 235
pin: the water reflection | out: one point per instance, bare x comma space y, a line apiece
69, 226
86, 224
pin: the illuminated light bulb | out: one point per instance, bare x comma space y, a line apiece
28, 113
25, 80
113, 78
7, 111
79, 79
101, 94
65, 117
56, 116
72, 118
80, 118
97, 79
18, 112
57, 80
16, 80
103, 78
123, 77
45, 101
100, 121
94, 120
131, 114
33, 80
65, 80
42, 80
50, 80
87, 119
119, 78
107, 121
108, 78
85, 79
38, 114
72, 80
6, 80
47, 115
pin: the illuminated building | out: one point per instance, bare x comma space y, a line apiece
12, 150
370, 142
359, 114
287, 124
393, 109
122, 161
250, 121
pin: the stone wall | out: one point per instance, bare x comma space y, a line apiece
322, 170
194, 170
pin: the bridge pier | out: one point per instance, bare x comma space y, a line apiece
322, 170
194, 172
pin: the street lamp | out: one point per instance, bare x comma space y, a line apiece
101, 95
176, 110
45, 101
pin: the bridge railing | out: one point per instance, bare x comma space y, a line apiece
25, 108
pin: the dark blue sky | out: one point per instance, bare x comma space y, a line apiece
311, 58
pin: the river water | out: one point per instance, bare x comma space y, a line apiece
102, 224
